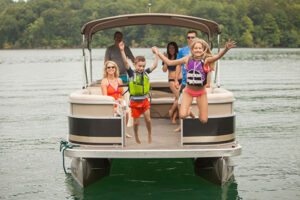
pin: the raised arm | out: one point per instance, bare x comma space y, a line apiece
168, 61
122, 47
165, 67
229, 45
155, 63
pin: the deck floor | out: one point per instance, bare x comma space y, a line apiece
163, 135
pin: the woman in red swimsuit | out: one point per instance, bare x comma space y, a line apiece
110, 84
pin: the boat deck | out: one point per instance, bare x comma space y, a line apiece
165, 144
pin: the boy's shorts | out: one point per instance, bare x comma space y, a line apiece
139, 107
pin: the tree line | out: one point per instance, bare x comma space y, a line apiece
57, 23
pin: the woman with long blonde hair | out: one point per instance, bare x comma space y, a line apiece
110, 84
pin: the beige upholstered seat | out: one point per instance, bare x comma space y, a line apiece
219, 103
90, 103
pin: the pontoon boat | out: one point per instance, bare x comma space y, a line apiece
97, 135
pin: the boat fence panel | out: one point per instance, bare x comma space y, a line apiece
217, 130
95, 131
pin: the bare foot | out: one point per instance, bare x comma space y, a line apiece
174, 118
177, 129
128, 136
137, 138
191, 114
138, 141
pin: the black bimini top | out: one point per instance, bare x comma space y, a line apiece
207, 26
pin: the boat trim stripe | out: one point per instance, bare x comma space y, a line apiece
208, 139
94, 140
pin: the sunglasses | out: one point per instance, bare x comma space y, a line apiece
190, 37
110, 67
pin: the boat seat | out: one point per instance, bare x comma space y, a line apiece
219, 95
219, 103
94, 94
90, 103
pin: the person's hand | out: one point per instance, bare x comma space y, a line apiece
165, 54
121, 46
230, 44
155, 50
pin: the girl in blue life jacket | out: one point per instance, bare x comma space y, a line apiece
198, 69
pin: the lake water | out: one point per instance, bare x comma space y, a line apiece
34, 89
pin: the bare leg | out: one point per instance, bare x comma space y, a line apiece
148, 125
185, 108
179, 127
203, 108
136, 122
185, 105
174, 116
127, 118
191, 114
175, 104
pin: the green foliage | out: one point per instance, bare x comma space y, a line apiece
57, 23
246, 39
271, 32
4, 4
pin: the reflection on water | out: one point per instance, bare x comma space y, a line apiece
153, 179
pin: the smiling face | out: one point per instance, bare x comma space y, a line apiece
198, 49
111, 69
140, 66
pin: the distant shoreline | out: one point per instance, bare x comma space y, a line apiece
66, 48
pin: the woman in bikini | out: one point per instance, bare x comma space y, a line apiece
172, 51
198, 66
110, 84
